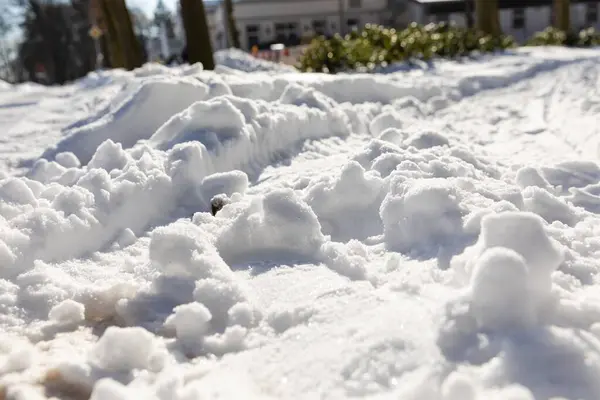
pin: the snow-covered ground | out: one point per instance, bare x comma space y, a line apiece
431, 233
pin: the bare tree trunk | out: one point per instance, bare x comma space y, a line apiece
562, 15
234, 35
124, 48
488, 17
116, 53
197, 34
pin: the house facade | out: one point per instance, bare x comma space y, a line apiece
519, 18
264, 22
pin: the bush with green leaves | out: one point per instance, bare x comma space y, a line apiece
378, 46
554, 37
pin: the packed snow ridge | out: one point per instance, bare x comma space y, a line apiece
426, 233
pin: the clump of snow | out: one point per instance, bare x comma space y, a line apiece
226, 183
528, 238
124, 349
419, 215
355, 191
279, 226
184, 250
425, 140
67, 312
501, 290
191, 323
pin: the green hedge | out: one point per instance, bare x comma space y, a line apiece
376, 46
554, 37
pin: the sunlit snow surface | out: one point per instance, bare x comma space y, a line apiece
425, 233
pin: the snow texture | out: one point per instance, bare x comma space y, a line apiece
420, 233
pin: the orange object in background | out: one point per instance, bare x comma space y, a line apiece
254, 50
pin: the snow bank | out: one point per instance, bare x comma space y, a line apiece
138, 116
239, 60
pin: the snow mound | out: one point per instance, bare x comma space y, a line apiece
239, 60
510, 271
138, 116
419, 215
279, 226
356, 192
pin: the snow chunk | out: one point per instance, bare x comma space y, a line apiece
355, 192
124, 349
419, 214
191, 322
273, 226
426, 140
529, 176
219, 297
243, 314
109, 156
16, 191
510, 266
347, 260
67, 312
300, 95
281, 319
500, 290
524, 233
232, 340
67, 160
183, 250
385, 121
226, 183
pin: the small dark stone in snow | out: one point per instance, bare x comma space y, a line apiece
216, 204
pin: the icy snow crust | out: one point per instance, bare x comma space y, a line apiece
423, 234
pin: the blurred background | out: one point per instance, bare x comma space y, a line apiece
56, 41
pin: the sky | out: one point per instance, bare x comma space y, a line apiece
149, 5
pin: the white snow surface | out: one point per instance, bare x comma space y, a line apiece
426, 233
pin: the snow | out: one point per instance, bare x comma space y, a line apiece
421, 233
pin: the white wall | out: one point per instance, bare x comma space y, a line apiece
298, 8
302, 13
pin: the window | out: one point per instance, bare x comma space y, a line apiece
354, 4
591, 13
518, 18
253, 35
286, 31
352, 23
319, 27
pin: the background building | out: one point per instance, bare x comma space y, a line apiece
519, 18
264, 22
